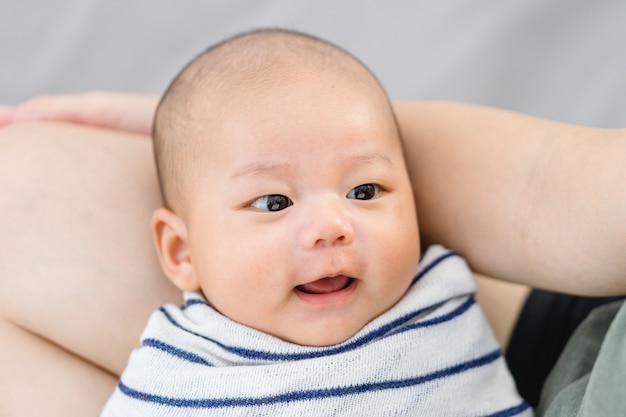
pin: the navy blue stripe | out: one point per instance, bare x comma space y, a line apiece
193, 301
273, 356
441, 319
433, 264
513, 411
173, 350
316, 394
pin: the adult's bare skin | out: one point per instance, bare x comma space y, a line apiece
78, 273
523, 199
125, 112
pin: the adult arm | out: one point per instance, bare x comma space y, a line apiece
77, 252
524, 199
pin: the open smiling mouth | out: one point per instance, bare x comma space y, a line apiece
328, 285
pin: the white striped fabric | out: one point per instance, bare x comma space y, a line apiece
432, 354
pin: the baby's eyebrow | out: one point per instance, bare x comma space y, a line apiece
260, 169
371, 156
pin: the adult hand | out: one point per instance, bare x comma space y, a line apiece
113, 110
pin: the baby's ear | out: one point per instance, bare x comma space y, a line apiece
170, 237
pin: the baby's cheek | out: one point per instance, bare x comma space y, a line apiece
257, 273
260, 271
403, 258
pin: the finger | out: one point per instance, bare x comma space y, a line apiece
60, 108
6, 115
112, 110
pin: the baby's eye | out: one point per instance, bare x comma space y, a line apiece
364, 192
272, 202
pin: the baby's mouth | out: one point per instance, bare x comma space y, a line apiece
326, 285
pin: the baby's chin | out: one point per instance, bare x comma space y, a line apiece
325, 340
331, 333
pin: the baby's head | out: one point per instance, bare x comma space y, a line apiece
289, 203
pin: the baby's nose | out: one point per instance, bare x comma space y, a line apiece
327, 224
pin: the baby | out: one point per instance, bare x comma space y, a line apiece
291, 227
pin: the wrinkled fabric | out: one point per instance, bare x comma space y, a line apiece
589, 379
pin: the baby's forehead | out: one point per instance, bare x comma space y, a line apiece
295, 97
230, 91
256, 118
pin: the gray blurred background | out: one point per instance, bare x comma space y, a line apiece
558, 59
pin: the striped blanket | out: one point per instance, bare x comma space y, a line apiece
432, 354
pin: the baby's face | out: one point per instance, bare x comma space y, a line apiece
302, 224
